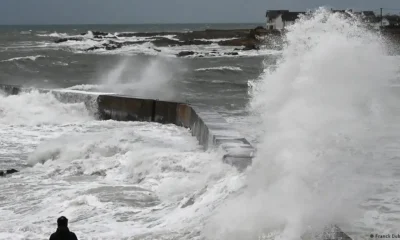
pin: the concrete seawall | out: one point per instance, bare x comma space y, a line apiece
209, 127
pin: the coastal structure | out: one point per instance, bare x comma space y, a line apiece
209, 127
280, 19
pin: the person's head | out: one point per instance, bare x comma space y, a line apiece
62, 222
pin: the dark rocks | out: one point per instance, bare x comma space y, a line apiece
212, 53
98, 34
67, 39
7, 172
185, 53
187, 36
112, 45
101, 173
251, 47
232, 53
166, 42
239, 42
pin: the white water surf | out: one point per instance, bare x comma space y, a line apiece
113, 180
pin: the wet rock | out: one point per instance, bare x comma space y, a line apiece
192, 35
98, 34
93, 48
232, 53
112, 45
101, 173
7, 172
166, 42
239, 42
251, 47
61, 40
185, 53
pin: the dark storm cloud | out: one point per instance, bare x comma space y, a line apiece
162, 11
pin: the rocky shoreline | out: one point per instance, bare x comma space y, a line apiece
241, 39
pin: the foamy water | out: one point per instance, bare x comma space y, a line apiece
113, 180
32, 58
207, 51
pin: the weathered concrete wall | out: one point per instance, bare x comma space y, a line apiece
211, 130
125, 108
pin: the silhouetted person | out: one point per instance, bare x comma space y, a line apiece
63, 232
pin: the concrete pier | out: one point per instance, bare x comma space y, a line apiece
209, 127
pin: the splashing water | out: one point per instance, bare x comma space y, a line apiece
324, 108
113, 180
34, 108
156, 77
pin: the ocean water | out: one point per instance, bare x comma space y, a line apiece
322, 113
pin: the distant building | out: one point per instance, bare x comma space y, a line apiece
391, 21
279, 19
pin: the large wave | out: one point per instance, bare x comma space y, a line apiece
324, 107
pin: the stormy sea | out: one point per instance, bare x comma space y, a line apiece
321, 110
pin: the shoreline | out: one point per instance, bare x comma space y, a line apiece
240, 39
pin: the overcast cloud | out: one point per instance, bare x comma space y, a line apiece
164, 11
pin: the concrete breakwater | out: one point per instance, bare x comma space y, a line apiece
209, 127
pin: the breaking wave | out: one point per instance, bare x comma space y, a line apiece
324, 106
36, 108
31, 58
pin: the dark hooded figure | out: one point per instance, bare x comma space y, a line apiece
63, 232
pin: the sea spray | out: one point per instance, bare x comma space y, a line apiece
323, 108
153, 77
34, 108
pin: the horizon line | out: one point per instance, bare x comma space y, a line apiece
83, 24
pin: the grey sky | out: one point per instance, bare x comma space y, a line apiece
162, 11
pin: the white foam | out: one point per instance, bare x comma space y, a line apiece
111, 179
32, 58
81, 91
54, 35
325, 110
147, 48
34, 108
215, 39
230, 68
